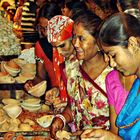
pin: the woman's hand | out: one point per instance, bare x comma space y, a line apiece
28, 85
56, 126
99, 134
52, 94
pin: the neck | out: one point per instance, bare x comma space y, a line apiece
95, 61
138, 69
94, 66
127, 81
138, 72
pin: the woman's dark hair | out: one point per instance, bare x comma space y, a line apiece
49, 10
117, 29
88, 19
75, 4
127, 4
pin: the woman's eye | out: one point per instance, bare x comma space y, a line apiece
61, 46
113, 55
81, 38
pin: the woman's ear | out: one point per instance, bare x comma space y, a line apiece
133, 44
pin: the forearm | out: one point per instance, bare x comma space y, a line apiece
37, 80
67, 114
113, 116
115, 137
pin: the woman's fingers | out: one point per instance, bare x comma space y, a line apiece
92, 133
28, 85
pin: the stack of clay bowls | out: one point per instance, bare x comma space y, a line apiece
28, 72
6, 78
12, 107
19, 69
12, 68
31, 104
29, 68
20, 62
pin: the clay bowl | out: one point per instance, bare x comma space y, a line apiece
39, 89
29, 67
3, 73
13, 65
6, 78
12, 68
7, 101
13, 110
20, 62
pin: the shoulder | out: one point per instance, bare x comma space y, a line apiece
37, 45
112, 74
112, 79
38, 48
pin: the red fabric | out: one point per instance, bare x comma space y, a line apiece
57, 60
59, 28
47, 63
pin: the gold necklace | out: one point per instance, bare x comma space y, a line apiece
128, 82
124, 84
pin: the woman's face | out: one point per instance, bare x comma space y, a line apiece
65, 11
64, 48
42, 24
84, 43
139, 4
122, 59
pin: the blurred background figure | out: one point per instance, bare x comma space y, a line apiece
102, 8
28, 19
39, 4
69, 5
8, 8
17, 19
11, 10
131, 7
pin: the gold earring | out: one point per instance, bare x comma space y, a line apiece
98, 49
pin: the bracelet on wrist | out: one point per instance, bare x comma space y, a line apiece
62, 118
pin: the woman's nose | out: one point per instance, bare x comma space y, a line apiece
59, 50
76, 42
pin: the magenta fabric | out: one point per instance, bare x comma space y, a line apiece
115, 91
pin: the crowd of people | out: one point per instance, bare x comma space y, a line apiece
90, 52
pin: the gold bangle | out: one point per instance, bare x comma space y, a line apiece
126, 126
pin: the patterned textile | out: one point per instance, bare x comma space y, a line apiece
128, 120
57, 60
59, 28
89, 106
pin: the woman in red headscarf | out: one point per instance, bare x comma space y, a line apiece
60, 32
